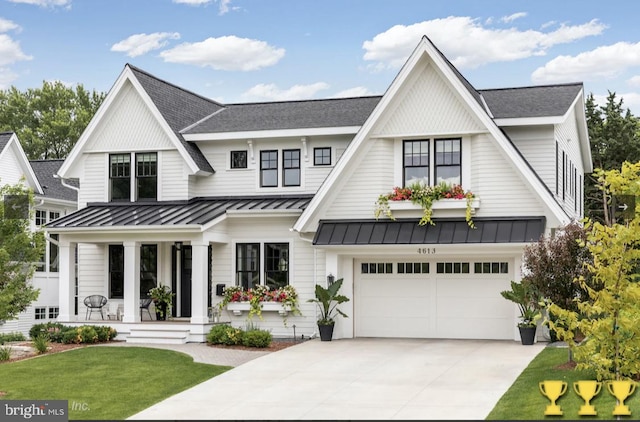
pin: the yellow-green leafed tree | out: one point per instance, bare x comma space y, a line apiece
609, 318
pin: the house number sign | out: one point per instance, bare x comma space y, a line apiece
426, 251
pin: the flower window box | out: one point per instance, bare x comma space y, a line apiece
239, 307
441, 204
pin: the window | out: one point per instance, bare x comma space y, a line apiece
448, 167
322, 156
268, 169
116, 271
452, 268
147, 176
41, 313
120, 177
491, 267
247, 265
53, 254
413, 268
564, 175
557, 175
238, 159
53, 312
376, 268
49, 259
148, 269
41, 218
276, 262
416, 162
291, 167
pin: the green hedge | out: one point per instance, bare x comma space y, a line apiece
58, 333
231, 336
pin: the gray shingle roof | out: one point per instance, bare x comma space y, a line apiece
4, 139
180, 108
532, 101
52, 187
336, 112
445, 231
196, 211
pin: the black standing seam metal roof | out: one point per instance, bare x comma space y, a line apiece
445, 231
197, 211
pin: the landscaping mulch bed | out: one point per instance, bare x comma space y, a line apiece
17, 353
276, 344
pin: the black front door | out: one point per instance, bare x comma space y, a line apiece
181, 283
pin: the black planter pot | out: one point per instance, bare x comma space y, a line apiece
527, 335
161, 311
326, 332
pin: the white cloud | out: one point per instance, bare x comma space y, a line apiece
46, 3
630, 100
604, 62
511, 18
6, 77
7, 25
356, 91
139, 44
467, 43
192, 2
10, 51
634, 81
272, 93
226, 53
223, 8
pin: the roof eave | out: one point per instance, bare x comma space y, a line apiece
276, 133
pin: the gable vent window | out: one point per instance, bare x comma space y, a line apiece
120, 176
147, 176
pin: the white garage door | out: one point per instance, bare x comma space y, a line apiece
433, 299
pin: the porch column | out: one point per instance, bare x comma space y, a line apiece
199, 256
131, 282
67, 279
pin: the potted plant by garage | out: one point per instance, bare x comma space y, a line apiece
328, 300
162, 300
523, 295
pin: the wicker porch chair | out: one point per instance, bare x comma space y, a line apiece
94, 303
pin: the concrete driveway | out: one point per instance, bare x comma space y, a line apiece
358, 379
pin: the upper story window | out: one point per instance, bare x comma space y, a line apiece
291, 167
238, 159
120, 176
416, 162
147, 176
424, 161
322, 156
269, 168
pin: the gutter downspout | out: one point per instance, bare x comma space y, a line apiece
315, 279
65, 184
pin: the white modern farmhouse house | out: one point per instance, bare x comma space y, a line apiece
52, 200
179, 190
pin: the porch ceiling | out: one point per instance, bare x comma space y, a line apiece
194, 212
403, 232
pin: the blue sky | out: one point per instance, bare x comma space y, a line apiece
265, 50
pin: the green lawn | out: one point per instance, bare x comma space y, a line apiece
525, 401
104, 382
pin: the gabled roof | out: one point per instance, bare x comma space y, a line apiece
531, 101
468, 96
9, 140
195, 212
52, 186
445, 231
337, 112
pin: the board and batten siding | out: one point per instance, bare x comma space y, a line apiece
10, 170
501, 188
305, 268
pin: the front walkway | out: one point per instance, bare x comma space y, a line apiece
362, 378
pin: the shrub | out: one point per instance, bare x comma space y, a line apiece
41, 343
256, 338
7, 337
83, 334
105, 333
53, 330
225, 334
5, 354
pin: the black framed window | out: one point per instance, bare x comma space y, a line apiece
248, 265
276, 262
322, 156
291, 167
416, 162
147, 176
41, 313
53, 254
148, 269
269, 168
116, 271
448, 161
238, 159
54, 311
120, 176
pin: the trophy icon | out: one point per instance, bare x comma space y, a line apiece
587, 390
553, 390
621, 390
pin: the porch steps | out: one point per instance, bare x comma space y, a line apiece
159, 335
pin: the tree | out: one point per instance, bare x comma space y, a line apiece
20, 249
615, 138
48, 120
610, 317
